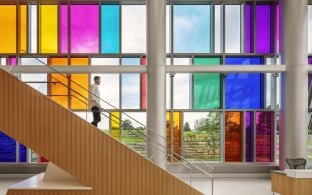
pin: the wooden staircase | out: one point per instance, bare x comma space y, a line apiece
97, 160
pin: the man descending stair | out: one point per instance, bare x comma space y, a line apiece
95, 103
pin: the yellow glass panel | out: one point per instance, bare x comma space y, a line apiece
8, 29
176, 127
48, 28
115, 125
22, 27
79, 93
59, 90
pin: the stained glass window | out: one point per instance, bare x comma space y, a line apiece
192, 30
7, 148
48, 31
174, 128
233, 136
8, 31
110, 35
207, 91
22, 27
115, 124
84, 28
249, 136
244, 90
63, 40
249, 26
263, 32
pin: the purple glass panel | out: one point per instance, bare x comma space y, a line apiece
249, 136
263, 34
12, 61
277, 29
264, 136
248, 28
84, 26
64, 29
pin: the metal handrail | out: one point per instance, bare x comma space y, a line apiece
172, 154
89, 92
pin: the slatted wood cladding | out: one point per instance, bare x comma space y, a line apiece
74, 145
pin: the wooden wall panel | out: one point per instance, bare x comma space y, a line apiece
79, 148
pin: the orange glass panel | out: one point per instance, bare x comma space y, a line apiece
22, 27
8, 29
176, 124
233, 136
115, 125
79, 85
58, 90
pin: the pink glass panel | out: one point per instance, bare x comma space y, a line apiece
12, 61
84, 26
64, 29
143, 85
264, 136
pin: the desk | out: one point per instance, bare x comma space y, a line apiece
285, 185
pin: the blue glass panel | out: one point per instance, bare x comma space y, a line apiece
22, 153
244, 90
7, 148
192, 33
130, 61
110, 20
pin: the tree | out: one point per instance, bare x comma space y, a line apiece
127, 125
187, 126
211, 126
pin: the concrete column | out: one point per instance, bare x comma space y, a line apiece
156, 79
294, 50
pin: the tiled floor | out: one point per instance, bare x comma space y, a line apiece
222, 186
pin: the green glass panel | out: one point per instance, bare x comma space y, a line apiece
207, 90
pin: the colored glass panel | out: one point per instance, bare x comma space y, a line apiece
264, 136
174, 123
22, 153
249, 136
143, 85
207, 89
48, 31
59, 89
277, 44
84, 28
12, 61
7, 148
43, 160
263, 32
249, 28
192, 23
233, 136
8, 31
110, 30
22, 27
63, 28
79, 85
115, 125
244, 90
232, 28
133, 29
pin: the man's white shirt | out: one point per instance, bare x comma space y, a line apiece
95, 95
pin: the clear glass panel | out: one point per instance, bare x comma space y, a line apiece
109, 89
218, 28
192, 23
134, 29
168, 28
232, 29
3, 61
201, 135
181, 91
130, 91
133, 133
310, 28
33, 28
34, 61
8, 31
104, 61
41, 80
84, 28
182, 61
130, 61
110, 31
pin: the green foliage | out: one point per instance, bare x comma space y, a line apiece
187, 126
127, 125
